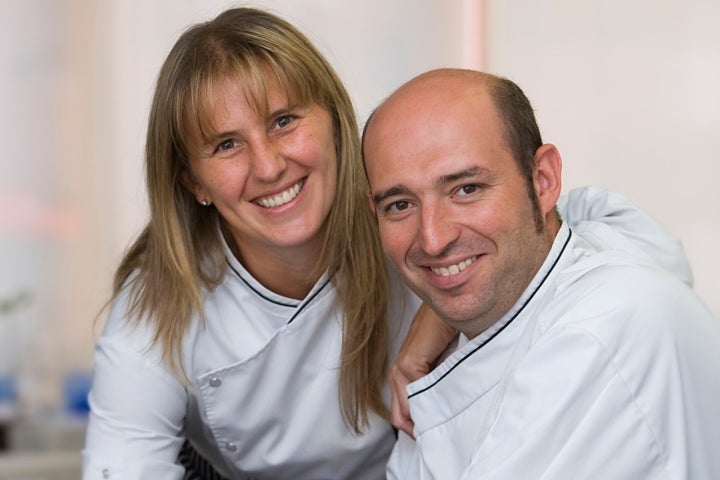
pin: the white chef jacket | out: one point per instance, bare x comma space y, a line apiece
608, 366
263, 395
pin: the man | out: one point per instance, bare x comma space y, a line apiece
579, 361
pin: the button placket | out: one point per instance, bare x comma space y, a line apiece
216, 382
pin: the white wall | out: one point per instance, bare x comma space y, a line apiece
48, 245
629, 92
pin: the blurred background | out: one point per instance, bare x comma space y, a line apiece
628, 91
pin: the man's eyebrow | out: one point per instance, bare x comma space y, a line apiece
382, 195
466, 173
471, 172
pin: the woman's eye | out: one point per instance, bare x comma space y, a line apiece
226, 145
284, 121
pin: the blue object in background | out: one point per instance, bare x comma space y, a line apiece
8, 390
76, 387
8, 401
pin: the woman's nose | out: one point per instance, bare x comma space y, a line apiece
268, 163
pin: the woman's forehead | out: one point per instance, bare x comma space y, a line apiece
262, 91
259, 88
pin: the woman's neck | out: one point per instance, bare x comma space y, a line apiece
290, 272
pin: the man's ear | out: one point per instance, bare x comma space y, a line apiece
548, 176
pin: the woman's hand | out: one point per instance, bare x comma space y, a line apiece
427, 339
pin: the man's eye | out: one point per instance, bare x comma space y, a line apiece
398, 206
468, 189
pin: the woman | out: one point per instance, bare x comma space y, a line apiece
251, 315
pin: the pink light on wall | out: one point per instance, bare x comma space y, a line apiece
473, 34
28, 215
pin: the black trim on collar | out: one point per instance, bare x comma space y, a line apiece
300, 307
260, 294
510, 320
308, 300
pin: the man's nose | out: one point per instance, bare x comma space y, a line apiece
438, 229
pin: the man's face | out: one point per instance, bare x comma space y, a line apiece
453, 209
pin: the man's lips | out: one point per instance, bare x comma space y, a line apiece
454, 269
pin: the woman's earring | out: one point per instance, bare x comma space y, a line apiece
204, 203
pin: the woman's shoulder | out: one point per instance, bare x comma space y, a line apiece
124, 326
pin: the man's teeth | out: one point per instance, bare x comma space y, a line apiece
454, 269
282, 198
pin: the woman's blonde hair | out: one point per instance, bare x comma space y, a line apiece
178, 255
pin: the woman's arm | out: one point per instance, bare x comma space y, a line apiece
137, 408
604, 218
427, 339
610, 222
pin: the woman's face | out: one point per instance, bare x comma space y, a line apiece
272, 178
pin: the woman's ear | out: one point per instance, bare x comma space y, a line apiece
189, 181
548, 176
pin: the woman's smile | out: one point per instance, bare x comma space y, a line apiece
280, 199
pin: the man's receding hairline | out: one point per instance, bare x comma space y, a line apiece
473, 78
481, 79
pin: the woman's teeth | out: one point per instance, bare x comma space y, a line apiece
454, 269
282, 198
